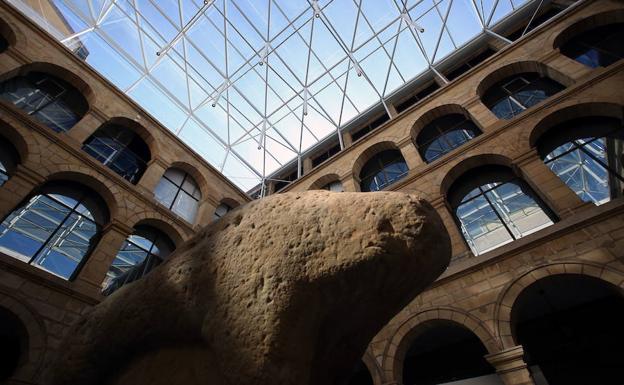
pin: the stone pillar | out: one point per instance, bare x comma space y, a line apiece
349, 183
481, 115
347, 139
458, 244
85, 127
511, 367
155, 170
16, 189
549, 186
205, 212
307, 165
410, 154
94, 270
567, 66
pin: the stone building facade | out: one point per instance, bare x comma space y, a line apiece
37, 305
489, 317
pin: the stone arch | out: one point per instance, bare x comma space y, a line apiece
519, 67
32, 363
467, 164
508, 296
370, 152
62, 73
587, 23
233, 203
438, 112
81, 175
172, 231
322, 181
575, 111
22, 144
399, 343
144, 133
373, 367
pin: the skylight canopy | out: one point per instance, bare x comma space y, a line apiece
252, 84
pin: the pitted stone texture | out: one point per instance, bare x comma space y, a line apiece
288, 289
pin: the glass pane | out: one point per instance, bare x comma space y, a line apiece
520, 212
481, 227
190, 187
175, 175
506, 109
186, 207
69, 244
23, 94
57, 116
165, 192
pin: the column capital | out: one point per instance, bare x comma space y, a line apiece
28, 175
508, 360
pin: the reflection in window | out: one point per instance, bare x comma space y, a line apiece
120, 149
178, 191
588, 155
333, 186
54, 230
221, 210
598, 47
444, 134
516, 93
46, 98
498, 211
8, 160
382, 170
145, 249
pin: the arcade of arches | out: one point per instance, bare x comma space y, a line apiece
522, 156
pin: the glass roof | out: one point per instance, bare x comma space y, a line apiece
252, 84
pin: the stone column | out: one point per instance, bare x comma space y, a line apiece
510, 366
155, 170
349, 182
94, 270
85, 127
307, 165
410, 154
347, 139
16, 189
205, 212
549, 186
481, 115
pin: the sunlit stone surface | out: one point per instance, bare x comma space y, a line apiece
285, 290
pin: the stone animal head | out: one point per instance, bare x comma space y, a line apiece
288, 289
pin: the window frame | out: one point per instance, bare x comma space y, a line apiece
180, 189
442, 134
382, 169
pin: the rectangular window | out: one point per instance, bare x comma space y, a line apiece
322, 157
357, 135
469, 64
407, 103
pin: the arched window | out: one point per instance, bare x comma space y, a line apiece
588, 155
145, 249
494, 207
514, 94
46, 98
445, 134
333, 186
597, 47
382, 170
221, 210
120, 149
178, 191
56, 229
8, 160
4, 44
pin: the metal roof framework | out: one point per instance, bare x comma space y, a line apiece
252, 84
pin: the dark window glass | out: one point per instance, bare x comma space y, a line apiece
13, 344
420, 95
536, 22
323, 156
444, 134
120, 149
516, 93
54, 230
4, 44
588, 155
357, 135
178, 191
382, 170
598, 47
493, 209
8, 160
469, 64
285, 181
145, 249
49, 100
221, 210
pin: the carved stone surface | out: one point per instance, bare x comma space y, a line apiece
285, 290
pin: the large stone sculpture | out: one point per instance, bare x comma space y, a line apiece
285, 290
